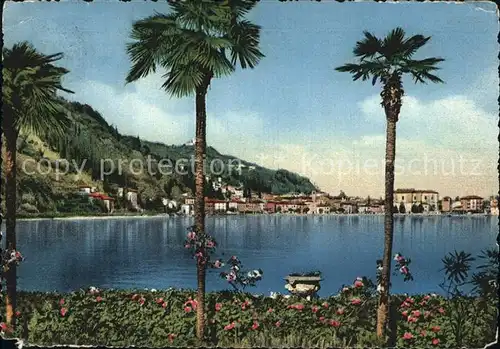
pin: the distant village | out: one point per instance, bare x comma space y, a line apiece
238, 200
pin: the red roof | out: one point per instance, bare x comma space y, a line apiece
100, 196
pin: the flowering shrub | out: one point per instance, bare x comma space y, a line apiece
203, 245
8, 258
237, 278
401, 268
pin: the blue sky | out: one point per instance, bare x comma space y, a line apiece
293, 110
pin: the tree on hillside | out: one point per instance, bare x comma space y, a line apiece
30, 104
387, 60
195, 43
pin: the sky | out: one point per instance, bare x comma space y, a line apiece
294, 111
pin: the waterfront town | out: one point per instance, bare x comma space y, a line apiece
239, 200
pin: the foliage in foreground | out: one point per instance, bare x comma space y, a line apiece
167, 318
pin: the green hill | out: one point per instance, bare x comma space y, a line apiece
91, 143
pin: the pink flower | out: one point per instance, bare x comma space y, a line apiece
410, 300
278, 323
18, 313
187, 309
135, 296
403, 270
407, 336
230, 326
322, 318
340, 311
187, 246
334, 323
441, 310
159, 300
3, 326
400, 258
435, 341
325, 305
404, 313
234, 258
270, 310
142, 300
299, 306
405, 304
63, 312
255, 325
315, 309
98, 299
61, 302
416, 313
218, 306
423, 333
412, 319
164, 305
191, 235
358, 284
345, 289
436, 329
427, 297
356, 301
171, 337
217, 264
210, 244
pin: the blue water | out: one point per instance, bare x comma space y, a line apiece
65, 255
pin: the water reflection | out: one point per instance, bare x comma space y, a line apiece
124, 253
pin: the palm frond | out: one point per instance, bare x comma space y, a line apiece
392, 43
245, 37
412, 44
368, 47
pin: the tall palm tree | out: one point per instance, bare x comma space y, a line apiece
387, 60
30, 104
194, 43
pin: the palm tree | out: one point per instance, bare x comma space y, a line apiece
30, 105
387, 60
195, 43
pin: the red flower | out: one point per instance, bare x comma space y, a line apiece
142, 300
423, 333
159, 300
416, 313
299, 306
255, 325
405, 304
356, 301
18, 313
278, 323
436, 329
61, 302
334, 323
218, 306
358, 284
270, 310
412, 319
171, 337
187, 309
407, 336
63, 312
322, 318
243, 306
409, 300
427, 297
325, 305
404, 313
3, 326
164, 305
230, 326
98, 299
435, 341
441, 310
315, 309
210, 244
340, 311
423, 303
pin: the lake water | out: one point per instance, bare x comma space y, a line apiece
65, 255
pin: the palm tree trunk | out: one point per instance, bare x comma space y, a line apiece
199, 208
10, 205
390, 155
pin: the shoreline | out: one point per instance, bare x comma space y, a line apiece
162, 215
